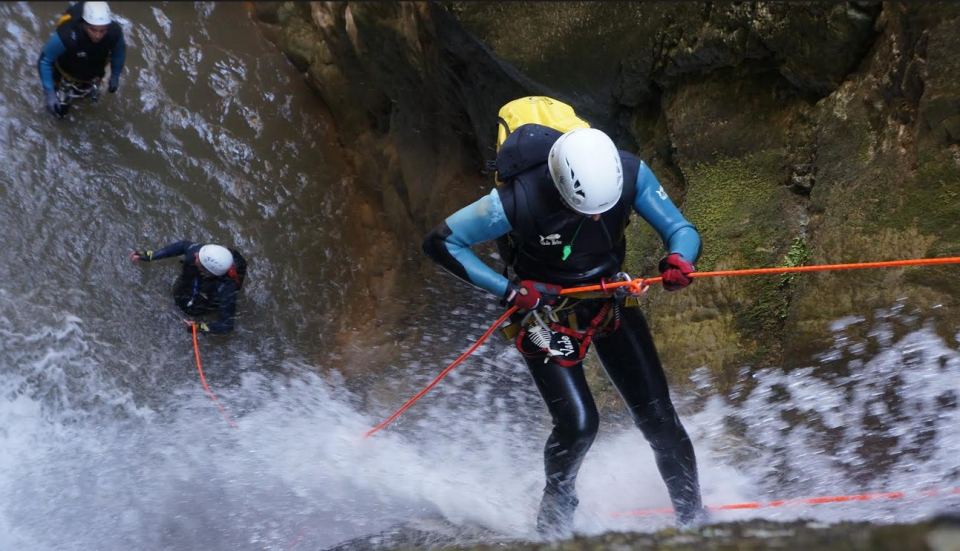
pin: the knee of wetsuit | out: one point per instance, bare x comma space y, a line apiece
662, 431
579, 430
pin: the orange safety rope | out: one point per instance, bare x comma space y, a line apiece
768, 271
638, 286
443, 373
203, 379
818, 500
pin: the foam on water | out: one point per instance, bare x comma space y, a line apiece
90, 468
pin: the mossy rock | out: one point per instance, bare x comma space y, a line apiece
726, 322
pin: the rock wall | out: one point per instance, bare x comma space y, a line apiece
788, 132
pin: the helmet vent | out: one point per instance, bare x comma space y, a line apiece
576, 183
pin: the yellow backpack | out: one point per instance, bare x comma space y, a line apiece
540, 110
536, 110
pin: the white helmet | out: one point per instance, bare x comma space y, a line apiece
96, 13
216, 259
585, 167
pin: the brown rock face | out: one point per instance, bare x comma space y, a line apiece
789, 132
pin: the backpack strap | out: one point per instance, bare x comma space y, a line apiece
503, 124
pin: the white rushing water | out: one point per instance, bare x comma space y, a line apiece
84, 467
108, 442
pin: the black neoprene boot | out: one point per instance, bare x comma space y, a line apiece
557, 507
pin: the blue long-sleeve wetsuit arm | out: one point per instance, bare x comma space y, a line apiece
654, 205
117, 58
173, 249
53, 49
449, 243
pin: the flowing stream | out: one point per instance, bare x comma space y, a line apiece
107, 440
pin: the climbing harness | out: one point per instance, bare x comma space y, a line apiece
70, 90
558, 339
562, 343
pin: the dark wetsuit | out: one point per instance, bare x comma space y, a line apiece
70, 53
529, 209
199, 295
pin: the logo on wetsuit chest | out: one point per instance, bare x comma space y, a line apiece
552, 239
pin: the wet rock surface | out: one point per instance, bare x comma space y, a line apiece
940, 534
822, 128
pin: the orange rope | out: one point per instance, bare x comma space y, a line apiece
638, 286
819, 500
203, 379
443, 373
781, 270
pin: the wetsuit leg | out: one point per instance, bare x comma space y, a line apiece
575, 423
630, 359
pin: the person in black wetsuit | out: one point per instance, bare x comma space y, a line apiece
211, 277
77, 52
565, 202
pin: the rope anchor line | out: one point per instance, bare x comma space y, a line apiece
203, 379
817, 500
639, 286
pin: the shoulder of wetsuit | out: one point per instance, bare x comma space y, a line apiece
526, 147
114, 32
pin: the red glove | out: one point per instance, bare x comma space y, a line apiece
530, 294
675, 272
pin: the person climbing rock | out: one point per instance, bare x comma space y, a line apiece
565, 202
72, 63
211, 278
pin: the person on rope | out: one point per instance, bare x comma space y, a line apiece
73, 61
565, 201
211, 277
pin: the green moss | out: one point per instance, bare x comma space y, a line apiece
729, 201
933, 204
764, 317
797, 255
